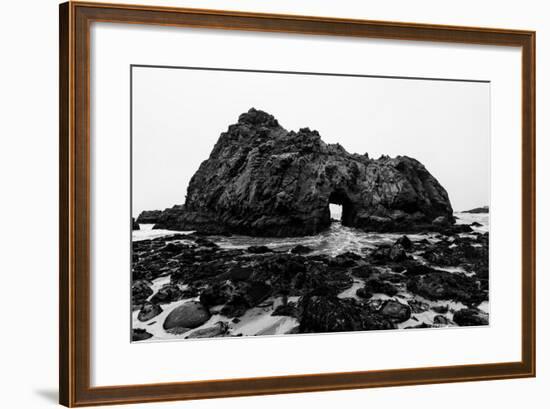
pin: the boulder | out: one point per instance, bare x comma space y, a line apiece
246, 296
149, 216
166, 294
235, 308
141, 290
460, 251
217, 294
441, 320
443, 285
263, 180
178, 330
139, 334
404, 242
148, 311
379, 286
364, 292
259, 249
397, 253
395, 311
332, 314
387, 253
240, 273
418, 307
319, 279
364, 271
202, 269
135, 225
414, 268
288, 310
419, 326
300, 249
470, 317
191, 314
255, 292
219, 329
345, 260
159, 257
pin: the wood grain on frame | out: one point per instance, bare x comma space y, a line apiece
74, 192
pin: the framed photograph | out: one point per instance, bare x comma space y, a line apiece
261, 204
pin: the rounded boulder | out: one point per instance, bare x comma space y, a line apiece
192, 314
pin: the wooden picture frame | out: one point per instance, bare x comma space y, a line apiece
74, 196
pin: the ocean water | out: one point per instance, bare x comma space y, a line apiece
337, 239
146, 232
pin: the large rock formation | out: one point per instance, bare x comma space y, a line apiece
483, 209
263, 180
149, 216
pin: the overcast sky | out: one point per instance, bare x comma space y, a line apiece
179, 114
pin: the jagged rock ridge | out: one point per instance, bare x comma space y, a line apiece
263, 180
483, 209
149, 216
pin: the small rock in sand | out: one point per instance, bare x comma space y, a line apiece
288, 310
471, 317
139, 334
259, 249
148, 311
217, 330
405, 242
300, 249
178, 330
441, 320
396, 311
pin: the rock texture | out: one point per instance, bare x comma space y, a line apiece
219, 329
139, 334
471, 317
331, 314
149, 216
149, 311
483, 209
192, 314
316, 290
263, 180
141, 290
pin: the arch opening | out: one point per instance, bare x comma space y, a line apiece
335, 212
341, 208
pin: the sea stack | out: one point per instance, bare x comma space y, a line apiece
262, 180
149, 216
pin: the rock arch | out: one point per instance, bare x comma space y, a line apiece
349, 211
265, 181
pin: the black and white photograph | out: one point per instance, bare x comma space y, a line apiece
274, 203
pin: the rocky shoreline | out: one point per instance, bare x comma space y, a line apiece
483, 209
187, 286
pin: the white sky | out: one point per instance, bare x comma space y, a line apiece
179, 114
